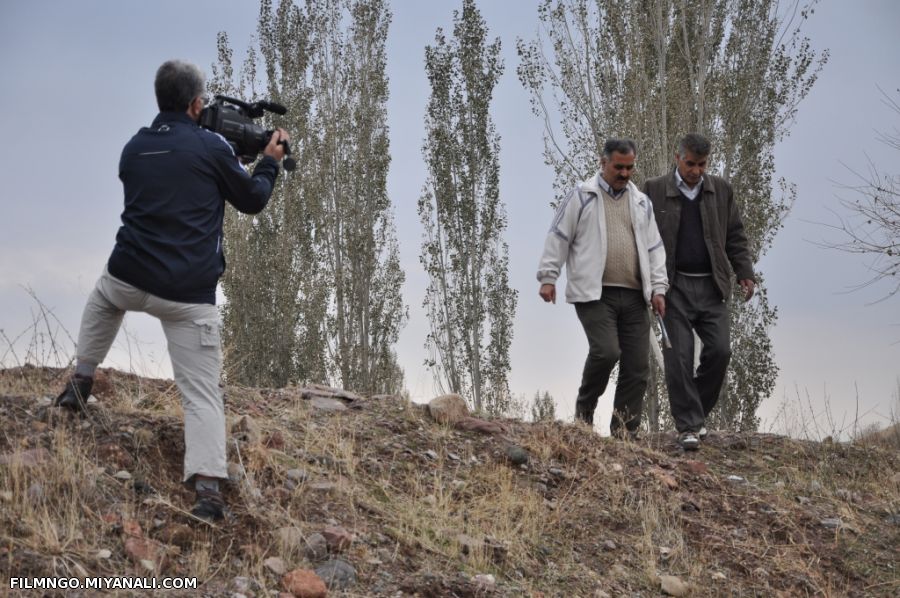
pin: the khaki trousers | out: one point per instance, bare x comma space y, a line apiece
192, 334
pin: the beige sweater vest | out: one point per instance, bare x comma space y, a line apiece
622, 267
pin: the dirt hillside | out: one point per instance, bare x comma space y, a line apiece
372, 497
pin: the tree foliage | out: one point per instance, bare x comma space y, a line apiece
469, 302
313, 284
653, 70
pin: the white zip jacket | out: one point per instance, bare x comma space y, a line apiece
578, 238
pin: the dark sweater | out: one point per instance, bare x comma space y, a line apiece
177, 177
691, 255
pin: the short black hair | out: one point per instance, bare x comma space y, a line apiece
177, 84
619, 146
695, 143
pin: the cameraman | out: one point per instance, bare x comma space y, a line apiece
168, 259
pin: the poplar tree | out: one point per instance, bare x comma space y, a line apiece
543, 407
274, 284
350, 158
653, 70
313, 282
469, 302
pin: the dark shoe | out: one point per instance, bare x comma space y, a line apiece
76, 393
689, 441
583, 414
626, 434
209, 506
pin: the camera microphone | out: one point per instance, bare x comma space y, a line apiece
274, 107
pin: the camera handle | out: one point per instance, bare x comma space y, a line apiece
289, 163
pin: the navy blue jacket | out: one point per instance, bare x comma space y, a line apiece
177, 177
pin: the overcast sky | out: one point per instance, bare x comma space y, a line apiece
77, 84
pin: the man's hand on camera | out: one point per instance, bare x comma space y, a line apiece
275, 149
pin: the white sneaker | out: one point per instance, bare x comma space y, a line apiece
703, 433
689, 441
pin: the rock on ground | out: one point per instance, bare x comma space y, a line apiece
304, 583
448, 409
337, 574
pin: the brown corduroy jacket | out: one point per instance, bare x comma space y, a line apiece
723, 230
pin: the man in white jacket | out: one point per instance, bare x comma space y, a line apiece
606, 234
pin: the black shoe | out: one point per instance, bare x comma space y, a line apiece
76, 393
626, 434
583, 414
209, 506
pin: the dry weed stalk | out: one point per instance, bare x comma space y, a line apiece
49, 510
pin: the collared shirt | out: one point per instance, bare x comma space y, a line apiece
683, 187
608, 188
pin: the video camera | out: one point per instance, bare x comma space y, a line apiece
233, 120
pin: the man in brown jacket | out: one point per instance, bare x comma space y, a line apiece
704, 239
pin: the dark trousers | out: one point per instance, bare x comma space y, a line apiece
694, 304
618, 330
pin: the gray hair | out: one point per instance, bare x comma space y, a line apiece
619, 146
177, 84
695, 143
